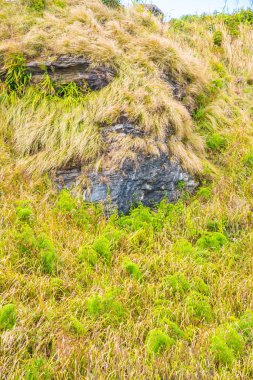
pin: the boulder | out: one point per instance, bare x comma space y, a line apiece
154, 10
147, 180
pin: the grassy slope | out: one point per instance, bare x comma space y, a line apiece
96, 299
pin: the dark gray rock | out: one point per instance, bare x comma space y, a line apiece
155, 10
149, 180
68, 69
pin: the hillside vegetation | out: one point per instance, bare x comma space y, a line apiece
156, 294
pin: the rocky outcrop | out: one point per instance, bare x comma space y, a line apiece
154, 10
148, 180
66, 69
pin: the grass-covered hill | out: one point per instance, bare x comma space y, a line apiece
156, 294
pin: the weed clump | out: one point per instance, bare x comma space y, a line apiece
88, 254
102, 247
245, 326
65, 202
76, 327
38, 369
111, 3
212, 240
26, 241
157, 341
132, 269
216, 142
98, 306
173, 330
7, 317
217, 38
177, 284
24, 214
49, 262
198, 307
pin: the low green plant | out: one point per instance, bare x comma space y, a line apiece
199, 285
173, 330
111, 3
216, 142
7, 317
88, 254
177, 284
49, 262
217, 38
37, 5
204, 193
212, 240
24, 214
102, 246
245, 326
17, 76
132, 269
222, 353
65, 202
76, 327
97, 306
198, 307
26, 241
37, 368
157, 341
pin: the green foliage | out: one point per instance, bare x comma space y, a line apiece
88, 254
24, 214
65, 202
177, 284
111, 3
45, 243
76, 327
212, 240
216, 142
17, 76
204, 193
200, 286
198, 307
222, 353
245, 326
7, 317
26, 240
227, 345
98, 306
248, 159
37, 5
217, 38
132, 269
38, 369
157, 341
102, 246
49, 262
173, 330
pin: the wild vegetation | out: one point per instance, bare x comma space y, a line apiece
163, 293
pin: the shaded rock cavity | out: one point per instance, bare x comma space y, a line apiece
148, 181
67, 69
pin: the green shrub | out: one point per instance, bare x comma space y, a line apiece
222, 353
227, 345
248, 159
245, 326
65, 202
49, 262
198, 307
98, 306
88, 254
38, 369
37, 5
204, 193
45, 243
76, 327
24, 214
174, 330
157, 342
103, 248
200, 286
7, 317
177, 284
132, 269
217, 38
112, 3
212, 240
26, 241
17, 76
216, 142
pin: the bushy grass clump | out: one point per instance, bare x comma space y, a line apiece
7, 317
177, 284
107, 306
102, 247
212, 240
132, 269
198, 307
157, 341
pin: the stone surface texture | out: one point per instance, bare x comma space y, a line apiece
155, 10
148, 180
68, 69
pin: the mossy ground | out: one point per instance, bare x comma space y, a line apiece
155, 294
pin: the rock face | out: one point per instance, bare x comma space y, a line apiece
155, 10
68, 69
149, 180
